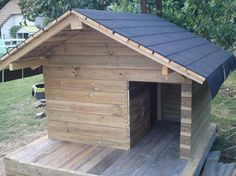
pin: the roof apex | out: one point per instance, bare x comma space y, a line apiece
156, 38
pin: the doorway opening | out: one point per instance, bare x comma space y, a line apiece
152, 105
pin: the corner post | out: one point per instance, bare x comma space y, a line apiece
186, 121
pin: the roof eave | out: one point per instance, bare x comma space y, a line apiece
30, 43
141, 49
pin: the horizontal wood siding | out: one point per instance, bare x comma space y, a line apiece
171, 100
87, 111
111, 73
139, 97
87, 89
186, 121
195, 117
201, 110
92, 54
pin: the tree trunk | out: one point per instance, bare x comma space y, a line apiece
159, 7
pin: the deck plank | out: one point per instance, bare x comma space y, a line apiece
135, 162
95, 160
168, 163
106, 162
138, 164
58, 157
81, 159
157, 154
114, 168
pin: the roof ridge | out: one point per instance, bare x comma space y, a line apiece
178, 64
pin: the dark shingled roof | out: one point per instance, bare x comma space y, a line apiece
172, 42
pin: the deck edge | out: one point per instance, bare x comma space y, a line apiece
37, 170
195, 165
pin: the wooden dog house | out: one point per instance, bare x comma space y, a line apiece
126, 94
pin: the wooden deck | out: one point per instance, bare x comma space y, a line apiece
156, 154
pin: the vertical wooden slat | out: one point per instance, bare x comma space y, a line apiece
186, 120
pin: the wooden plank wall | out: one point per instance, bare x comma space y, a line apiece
186, 120
140, 122
195, 117
87, 88
201, 110
88, 111
171, 101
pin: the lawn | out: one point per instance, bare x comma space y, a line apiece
224, 114
17, 123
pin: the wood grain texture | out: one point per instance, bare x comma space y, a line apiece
186, 121
110, 73
171, 101
140, 115
57, 158
88, 110
86, 85
87, 90
201, 113
195, 116
157, 154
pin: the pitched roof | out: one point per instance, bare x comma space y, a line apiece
172, 42
11, 8
156, 38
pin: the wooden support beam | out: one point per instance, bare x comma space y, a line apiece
37, 39
186, 121
141, 49
76, 24
28, 64
165, 71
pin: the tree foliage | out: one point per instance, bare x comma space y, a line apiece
53, 8
126, 6
14, 30
214, 20
3, 3
45, 8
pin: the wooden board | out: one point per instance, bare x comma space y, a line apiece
201, 110
171, 102
87, 92
139, 108
195, 116
110, 73
49, 157
186, 121
157, 154
87, 110
195, 165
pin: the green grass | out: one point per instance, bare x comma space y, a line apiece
224, 115
17, 111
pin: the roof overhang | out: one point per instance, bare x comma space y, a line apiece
76, 20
